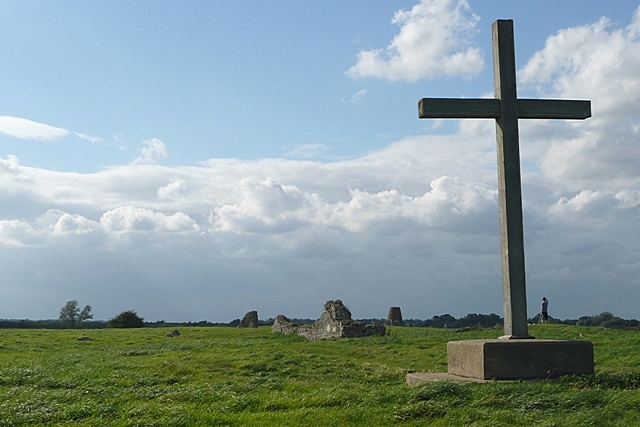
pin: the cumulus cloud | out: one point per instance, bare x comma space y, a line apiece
62, 223
264, 205
131, 218
10, 169
73, 223
172, 190
56, 223
595, 61
152, 150
435, 40
28, 129
16, 233
448, 204
599, 62
598, 206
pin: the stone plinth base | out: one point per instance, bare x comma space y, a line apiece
429, 377
519, 359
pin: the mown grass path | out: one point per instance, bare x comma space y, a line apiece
242, 377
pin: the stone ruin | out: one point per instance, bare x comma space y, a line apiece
394, 318
335, 322
250, 320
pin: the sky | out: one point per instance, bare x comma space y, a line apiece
198, 160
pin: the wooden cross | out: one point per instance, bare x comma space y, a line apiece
506, 109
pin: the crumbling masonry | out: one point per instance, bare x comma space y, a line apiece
335, 322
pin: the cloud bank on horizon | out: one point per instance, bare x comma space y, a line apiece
413, 224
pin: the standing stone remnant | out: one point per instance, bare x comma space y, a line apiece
250, 320
394, 318
334, 322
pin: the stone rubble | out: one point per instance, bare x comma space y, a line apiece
335, 322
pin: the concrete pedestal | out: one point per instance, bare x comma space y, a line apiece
519, 359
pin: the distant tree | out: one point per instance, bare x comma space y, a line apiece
71, 315
585, 321
126, 319
484, 320
601, 318
444, 321
615, 322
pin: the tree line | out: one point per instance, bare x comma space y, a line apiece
605, 320
73, 317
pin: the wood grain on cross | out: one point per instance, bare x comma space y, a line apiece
506, 109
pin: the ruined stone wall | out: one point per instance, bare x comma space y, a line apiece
283, 325
334, 322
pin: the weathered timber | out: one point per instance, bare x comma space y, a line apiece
455, 108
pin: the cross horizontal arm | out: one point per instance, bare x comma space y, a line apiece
461, 108
458, 108
553, 109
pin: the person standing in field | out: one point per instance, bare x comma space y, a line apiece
544, 312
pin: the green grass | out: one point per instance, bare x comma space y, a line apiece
236, 377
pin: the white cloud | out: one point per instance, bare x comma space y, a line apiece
28, 129
595, 62
73, 223
91, 139
59, 223
176, 188
434, 41
444, 206
419, 216
152, 150
264, 206
119, 141
356, 97
10, 169
15, 233
131, 218
600, 63
598, 206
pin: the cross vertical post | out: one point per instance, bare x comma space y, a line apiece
509, 182
506, 109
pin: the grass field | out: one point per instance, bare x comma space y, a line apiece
237, 377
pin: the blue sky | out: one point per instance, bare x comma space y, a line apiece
198, 160
231, 79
